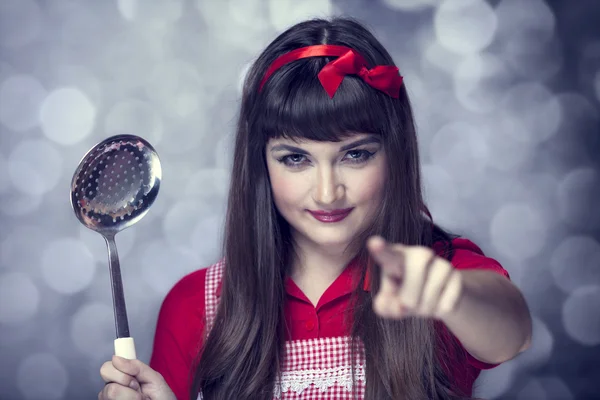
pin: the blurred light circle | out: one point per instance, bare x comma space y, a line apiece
285, 13
461, 148
206, 238
536, 107
125, 241
154, 13
79, 24
128, 8
6, 71
575, 262
480, 81
578, 198
92, 329
191, 134
181, 219
68, 265
538, 190
465, 26
441, 195
208, 183
83, 78
530, 22
507, 141
581, 315
129, 74
35, 166
176, 87
42, 376
410, 5
535, 62
251, 14
17, 252
545, 388
240, 24
165, 265
67, 116
542, 345
526, 31
19, 298
495, 382
579, 114
16, 204
15, 335
518, 231
137, 118
20, 22
439, 57
532, 390
21, 98
4, 179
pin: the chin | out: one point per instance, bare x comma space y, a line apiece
329, 240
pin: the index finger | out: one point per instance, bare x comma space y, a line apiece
390, 257
137, 369
109, 374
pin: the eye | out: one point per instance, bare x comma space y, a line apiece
358, 156
292, 160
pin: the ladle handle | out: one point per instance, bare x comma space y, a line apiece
124, 344
125, 347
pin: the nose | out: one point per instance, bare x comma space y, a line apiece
329, 187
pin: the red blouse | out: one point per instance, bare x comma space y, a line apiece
182, 319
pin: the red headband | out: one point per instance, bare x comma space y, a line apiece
382, 77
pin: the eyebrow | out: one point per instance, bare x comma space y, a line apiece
298, 150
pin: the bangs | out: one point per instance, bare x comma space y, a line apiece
294, 105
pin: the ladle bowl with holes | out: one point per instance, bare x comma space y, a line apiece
113, 187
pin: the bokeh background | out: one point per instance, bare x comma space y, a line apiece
507, 99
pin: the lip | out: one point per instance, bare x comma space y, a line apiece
330, 216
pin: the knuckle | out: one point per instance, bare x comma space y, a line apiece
112, 390
106, 368
441, 270
423, 252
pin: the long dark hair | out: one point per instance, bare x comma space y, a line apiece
241, 357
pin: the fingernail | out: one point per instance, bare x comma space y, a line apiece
134, 385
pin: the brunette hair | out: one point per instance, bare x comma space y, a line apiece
241, 357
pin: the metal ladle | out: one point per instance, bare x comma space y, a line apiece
113, 187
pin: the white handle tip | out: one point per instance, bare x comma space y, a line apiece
125, 347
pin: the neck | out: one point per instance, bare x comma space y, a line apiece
316, 262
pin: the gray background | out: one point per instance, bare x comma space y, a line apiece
506, 97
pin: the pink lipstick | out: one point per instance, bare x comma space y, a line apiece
331, 215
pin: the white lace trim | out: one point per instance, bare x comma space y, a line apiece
322, 379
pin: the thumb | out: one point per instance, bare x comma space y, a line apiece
142, 372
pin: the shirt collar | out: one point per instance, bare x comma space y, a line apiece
352, 271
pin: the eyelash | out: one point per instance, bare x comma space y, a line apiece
363, 154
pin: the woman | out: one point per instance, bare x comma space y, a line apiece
336, 283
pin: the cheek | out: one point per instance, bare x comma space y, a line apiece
286, 190
369, 188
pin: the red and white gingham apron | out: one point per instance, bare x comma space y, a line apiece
314, 369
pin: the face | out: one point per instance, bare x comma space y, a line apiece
327, 191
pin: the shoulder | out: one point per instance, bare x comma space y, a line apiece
189, 293
468, 255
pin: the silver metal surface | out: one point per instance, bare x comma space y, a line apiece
113, 187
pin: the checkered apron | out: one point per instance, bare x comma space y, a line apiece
314, 369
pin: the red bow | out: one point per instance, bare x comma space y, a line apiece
382, 77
